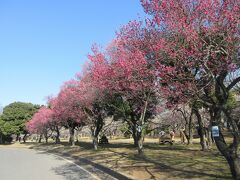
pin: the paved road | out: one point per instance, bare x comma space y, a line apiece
27, 164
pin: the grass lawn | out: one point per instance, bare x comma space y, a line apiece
158, 162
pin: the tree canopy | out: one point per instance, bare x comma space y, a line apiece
14, 117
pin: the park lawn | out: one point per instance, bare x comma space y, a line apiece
158, 162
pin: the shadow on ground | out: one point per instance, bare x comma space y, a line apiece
101, 171
177, 161
72, 172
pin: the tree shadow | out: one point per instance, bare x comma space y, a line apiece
100, 170
180, 172
176, 164
160, 166
150, 146
72, 172
84, 162
6, 144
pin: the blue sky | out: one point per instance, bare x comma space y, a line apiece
45, 42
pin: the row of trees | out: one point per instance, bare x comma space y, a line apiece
186, 54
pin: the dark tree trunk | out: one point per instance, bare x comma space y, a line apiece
57, 140
201, 130
95, 142
46, 139
234, 164
140, 143
95, 134
230, 154
135, 140
17, 138
140, 129
135, 134
71, 138
1, 139
96, 129
138, 139
40, 138
24, 138
189, 131
77, 139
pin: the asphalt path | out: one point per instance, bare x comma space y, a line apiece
27, 164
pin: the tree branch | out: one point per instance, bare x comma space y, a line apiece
234, 82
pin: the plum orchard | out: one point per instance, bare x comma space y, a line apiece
187, 53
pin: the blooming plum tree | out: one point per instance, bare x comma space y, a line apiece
93, 102
201, 44
67, 109
40, 122
126, 70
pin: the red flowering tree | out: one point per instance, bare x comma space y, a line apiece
67, 109
200, 48
126, 70
93, 103
41, 122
